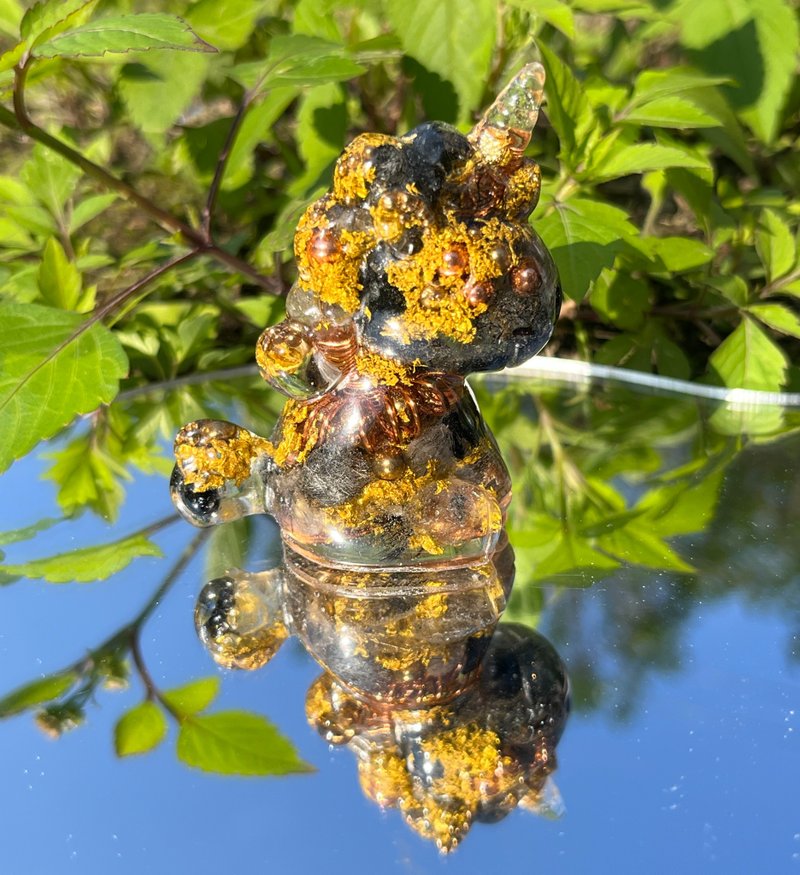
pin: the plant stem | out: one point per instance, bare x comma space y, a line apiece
199, 240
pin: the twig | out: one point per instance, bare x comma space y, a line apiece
222, 163
21, 120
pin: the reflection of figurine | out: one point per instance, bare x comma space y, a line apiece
454, 719
473, 760
411, 638
418, 268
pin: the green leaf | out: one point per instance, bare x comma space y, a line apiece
775, 244
231, 30
656, 84
119, 34
10, 15
777, 316
298, 60
237, 743
86, 563
754, 43
670, 112
584, 237
193, 697
44, 690
50, 17
89, 208
87, 478
59, 280
51, 369
636, 545
640, 157
157, 90
50, 178
26, 533
453, 38
676, 254
684, 507
553, 12
567, 105
321, 131
141, 730
621, 299
748, 359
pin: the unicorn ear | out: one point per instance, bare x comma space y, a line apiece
512, 117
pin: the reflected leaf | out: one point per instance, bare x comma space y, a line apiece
237, 743
140, 730
44, 690
27, 532
86, 563
194, 696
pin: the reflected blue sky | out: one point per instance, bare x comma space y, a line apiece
700, 775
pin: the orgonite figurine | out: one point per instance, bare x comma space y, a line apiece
418, 268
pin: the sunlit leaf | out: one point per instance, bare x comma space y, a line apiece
59, 280
567, 105
36, 692
671, 112
453, 38
776, 245
50, 17
553, 12
777, 316
49, 373
640, 157
193, 697
86, 563
755, 43
584, 237
122, 34
748, 359
237, 743
140, 730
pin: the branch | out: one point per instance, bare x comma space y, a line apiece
21, 120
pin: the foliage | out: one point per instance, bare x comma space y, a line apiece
668, 149
155, 166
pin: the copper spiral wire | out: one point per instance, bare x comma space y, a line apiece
381, 416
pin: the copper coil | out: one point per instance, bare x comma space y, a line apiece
339, 345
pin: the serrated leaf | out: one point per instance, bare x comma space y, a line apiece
748, 359
670, 112
777, 316
640, 157
141, 730
49, 373
567, 105
49, 17
776, 245
231, 30
44, 690
237, 743
120, 34
26, 533
298, 60
59, 280
676, 254
87, 478
453, 38
193, 697
86, 563
553, 12
156, 90
754, 43
656, 84
584, 237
